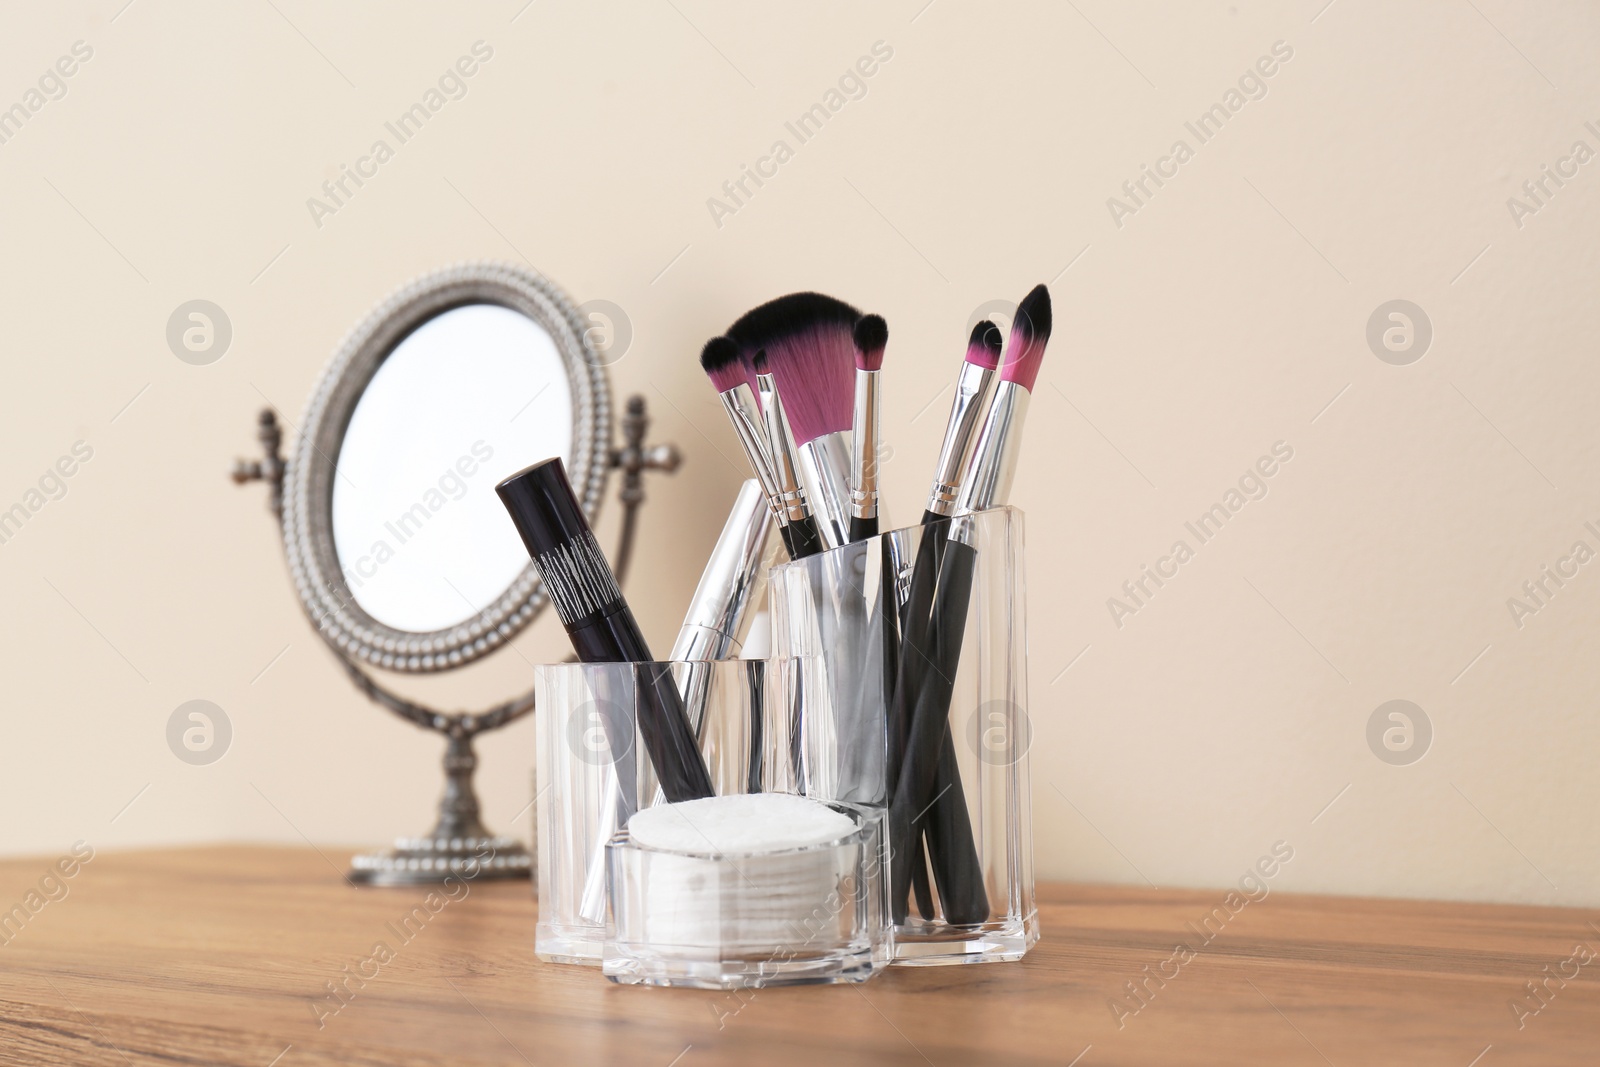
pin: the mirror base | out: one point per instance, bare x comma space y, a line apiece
430, 860
458, 846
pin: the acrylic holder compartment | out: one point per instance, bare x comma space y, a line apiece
800, 915
758, 734
960, 843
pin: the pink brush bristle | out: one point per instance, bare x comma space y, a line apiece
810, 348
983, 347
720, 360
1030, 332
871, 336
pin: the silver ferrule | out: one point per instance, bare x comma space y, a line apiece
987, 482
825, 472
864, 448
791, 498
714, 628
745, 415
966, 412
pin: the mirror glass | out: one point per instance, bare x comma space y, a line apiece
465, 399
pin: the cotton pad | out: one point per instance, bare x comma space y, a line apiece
741, 825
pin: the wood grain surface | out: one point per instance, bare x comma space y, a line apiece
222, 956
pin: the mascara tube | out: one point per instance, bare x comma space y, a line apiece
597, 618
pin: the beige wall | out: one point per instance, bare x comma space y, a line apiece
1227, 313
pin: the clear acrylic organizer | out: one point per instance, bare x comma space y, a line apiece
926, 627
812, 914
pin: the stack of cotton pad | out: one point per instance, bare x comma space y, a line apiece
760, 870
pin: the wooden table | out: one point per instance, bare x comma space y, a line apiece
222, 955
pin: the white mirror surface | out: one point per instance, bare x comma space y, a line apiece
472, 395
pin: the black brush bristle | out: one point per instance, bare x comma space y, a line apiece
1033, 318
787, 315
718, 353
871, 335
720, 360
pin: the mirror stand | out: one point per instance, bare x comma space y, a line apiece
459, 844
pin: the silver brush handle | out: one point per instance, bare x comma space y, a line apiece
792, 503
733, 578
864, 448
740, 403
825, 472
966, 412
994, 458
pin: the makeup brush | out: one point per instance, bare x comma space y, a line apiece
809, 345
927, 790
987, 481
871, 334
720, 359
966, 411
804, 531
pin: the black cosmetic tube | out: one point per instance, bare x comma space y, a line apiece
581, 587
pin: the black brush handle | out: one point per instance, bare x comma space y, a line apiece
910, 657
786, 532
952, 849
930, 751
861, 529
889, 610
807, 537
917, 658
663, 721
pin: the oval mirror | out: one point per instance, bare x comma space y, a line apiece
397, 543
460, 402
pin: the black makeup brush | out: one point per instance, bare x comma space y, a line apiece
807, 338
920, 795
597, 618
871, 334
730, 376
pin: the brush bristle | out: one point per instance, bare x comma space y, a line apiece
720, 360
809, 345
983, 347
871, 335
758, 362
1030, 332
